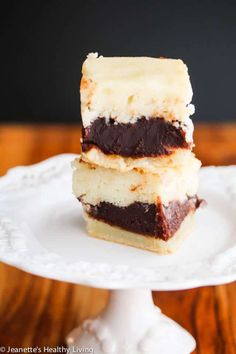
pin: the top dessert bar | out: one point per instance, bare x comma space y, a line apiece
135, 106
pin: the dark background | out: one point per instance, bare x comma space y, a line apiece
43, 44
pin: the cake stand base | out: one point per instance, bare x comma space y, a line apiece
131, 324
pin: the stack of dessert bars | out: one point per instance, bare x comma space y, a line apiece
137, 177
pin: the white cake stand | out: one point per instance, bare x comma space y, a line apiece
42, 232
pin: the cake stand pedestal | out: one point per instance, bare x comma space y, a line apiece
42, 231
131, 323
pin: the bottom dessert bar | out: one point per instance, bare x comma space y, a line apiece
145, 210
104, 231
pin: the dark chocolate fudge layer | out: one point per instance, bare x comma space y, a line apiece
155, 220
147, 137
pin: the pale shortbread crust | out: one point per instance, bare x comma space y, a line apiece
180, 157
107, 232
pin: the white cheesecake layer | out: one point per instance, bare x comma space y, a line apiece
179, 157
94, 184
126, 88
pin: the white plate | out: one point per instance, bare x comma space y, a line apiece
42, 232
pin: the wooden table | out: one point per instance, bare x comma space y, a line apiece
40, 312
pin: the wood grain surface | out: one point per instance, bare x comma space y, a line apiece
35, 311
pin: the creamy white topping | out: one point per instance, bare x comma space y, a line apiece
94, 184
127, 88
